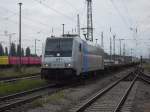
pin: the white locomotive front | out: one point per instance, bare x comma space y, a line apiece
69, 57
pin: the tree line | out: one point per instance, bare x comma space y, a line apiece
14, 51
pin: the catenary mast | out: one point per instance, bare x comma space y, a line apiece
89, 21
89, 28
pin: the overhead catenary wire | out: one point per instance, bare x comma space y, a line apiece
16, 23
134, 26
24, 17
10, 19
71, 5
33, 20
36, 22
119, 13
33, 27
127, 12
127, 23
29, 25
56, 11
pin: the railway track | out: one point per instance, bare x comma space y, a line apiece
144, 77
109, 99
8, 80
7, 102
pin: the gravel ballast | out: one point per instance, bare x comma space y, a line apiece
142, 98
70, 97
64, 100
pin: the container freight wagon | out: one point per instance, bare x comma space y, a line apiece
8, 61
25, 60
4, 60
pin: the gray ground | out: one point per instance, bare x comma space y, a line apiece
67, 99
142, 98
73, 96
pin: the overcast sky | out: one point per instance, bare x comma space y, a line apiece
40, 16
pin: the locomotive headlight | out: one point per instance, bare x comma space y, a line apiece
45, 65
68, 65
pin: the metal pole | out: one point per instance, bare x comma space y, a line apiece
20, 4
96, 40
120, 46
131, 54
102, 40
78, 24
63, 29
141, 61
114, 37
35, 47
110, 46
9, 44
124, 52
89, 21
110, 49
52, 32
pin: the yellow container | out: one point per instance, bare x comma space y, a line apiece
4, 60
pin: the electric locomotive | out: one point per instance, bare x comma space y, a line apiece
64, 58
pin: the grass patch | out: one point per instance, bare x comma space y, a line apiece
147, 67
13, 72
23, 85
53, 99
37, 103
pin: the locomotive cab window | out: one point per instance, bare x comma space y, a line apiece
62, 46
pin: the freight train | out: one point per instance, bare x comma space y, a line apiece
12, 60
70, 57
64, 58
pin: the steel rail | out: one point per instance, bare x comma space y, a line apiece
18, 76
30, 99
16, 95
21, 78
125, 95
23, 101
146, 75
27, 99
98, 94
144, 79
